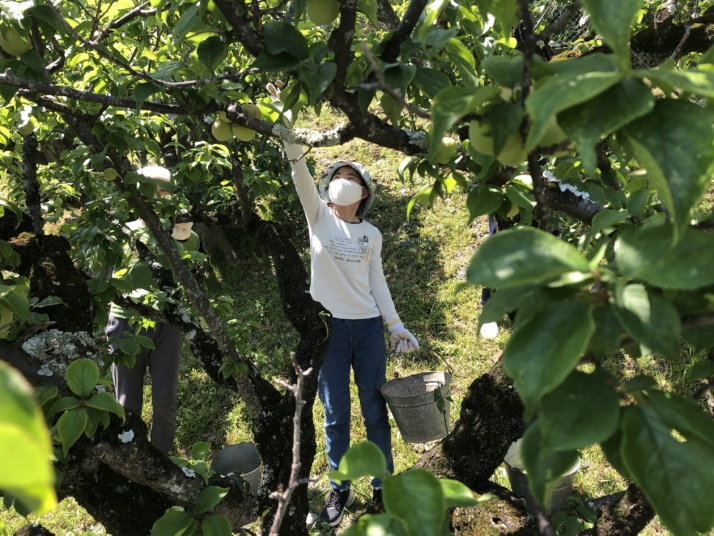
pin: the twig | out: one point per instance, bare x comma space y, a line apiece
284, 497
117, 23
687, 31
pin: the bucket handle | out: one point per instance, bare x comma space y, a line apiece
437, 354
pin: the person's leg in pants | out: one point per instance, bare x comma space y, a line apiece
164, 370
370, 367
334, 390
128, 382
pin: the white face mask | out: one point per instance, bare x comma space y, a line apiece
343, 192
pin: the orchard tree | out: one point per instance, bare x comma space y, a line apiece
604, 152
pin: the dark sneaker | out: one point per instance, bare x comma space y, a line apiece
376, 506
337, 501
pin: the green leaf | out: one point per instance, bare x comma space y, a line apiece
82, 376
212, 51
369, 8
399, 75
676, 476
129, 347
63, 404
608, 332
544, 465
144, 91
675, 143
545, 347
175, 522
275, 63
506, 301
523, 256
566, 415
49, 301
392, 108
376, 525
200, 449
189, 20
595, 118
431, 81
209, 498
650, 319
685, 416
453, 103
652, 255
607, 218
431, 13
361, 459
613, 19
483, 202
457, 493
562, 91
695, 81
25, 447
317, 78
285, 38
44, 393
215, 525
70, 427
702, 370
415, 496
106, 402
699, 337
637, 202
506, 71
641, 382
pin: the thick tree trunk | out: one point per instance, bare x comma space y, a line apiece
627, 517
491, 419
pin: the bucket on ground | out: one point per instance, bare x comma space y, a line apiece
519, 482
419, 405
241, 459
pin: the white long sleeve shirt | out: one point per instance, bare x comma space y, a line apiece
346, 274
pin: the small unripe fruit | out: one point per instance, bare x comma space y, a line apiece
221, 131
446, 150
322, 12
252, 110
513, 152
506, 93
26, 129
243, 133
110, 174
13, 43
480, 137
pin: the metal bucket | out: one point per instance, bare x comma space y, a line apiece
413, 402
242, 459
519, 483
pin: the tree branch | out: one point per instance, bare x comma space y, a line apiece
404, 30
32, 187
244, 32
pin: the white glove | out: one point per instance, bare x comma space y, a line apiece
489, 330
274, 92
401, 341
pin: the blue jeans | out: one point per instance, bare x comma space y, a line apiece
357, 344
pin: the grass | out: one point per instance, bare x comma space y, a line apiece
425, 260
